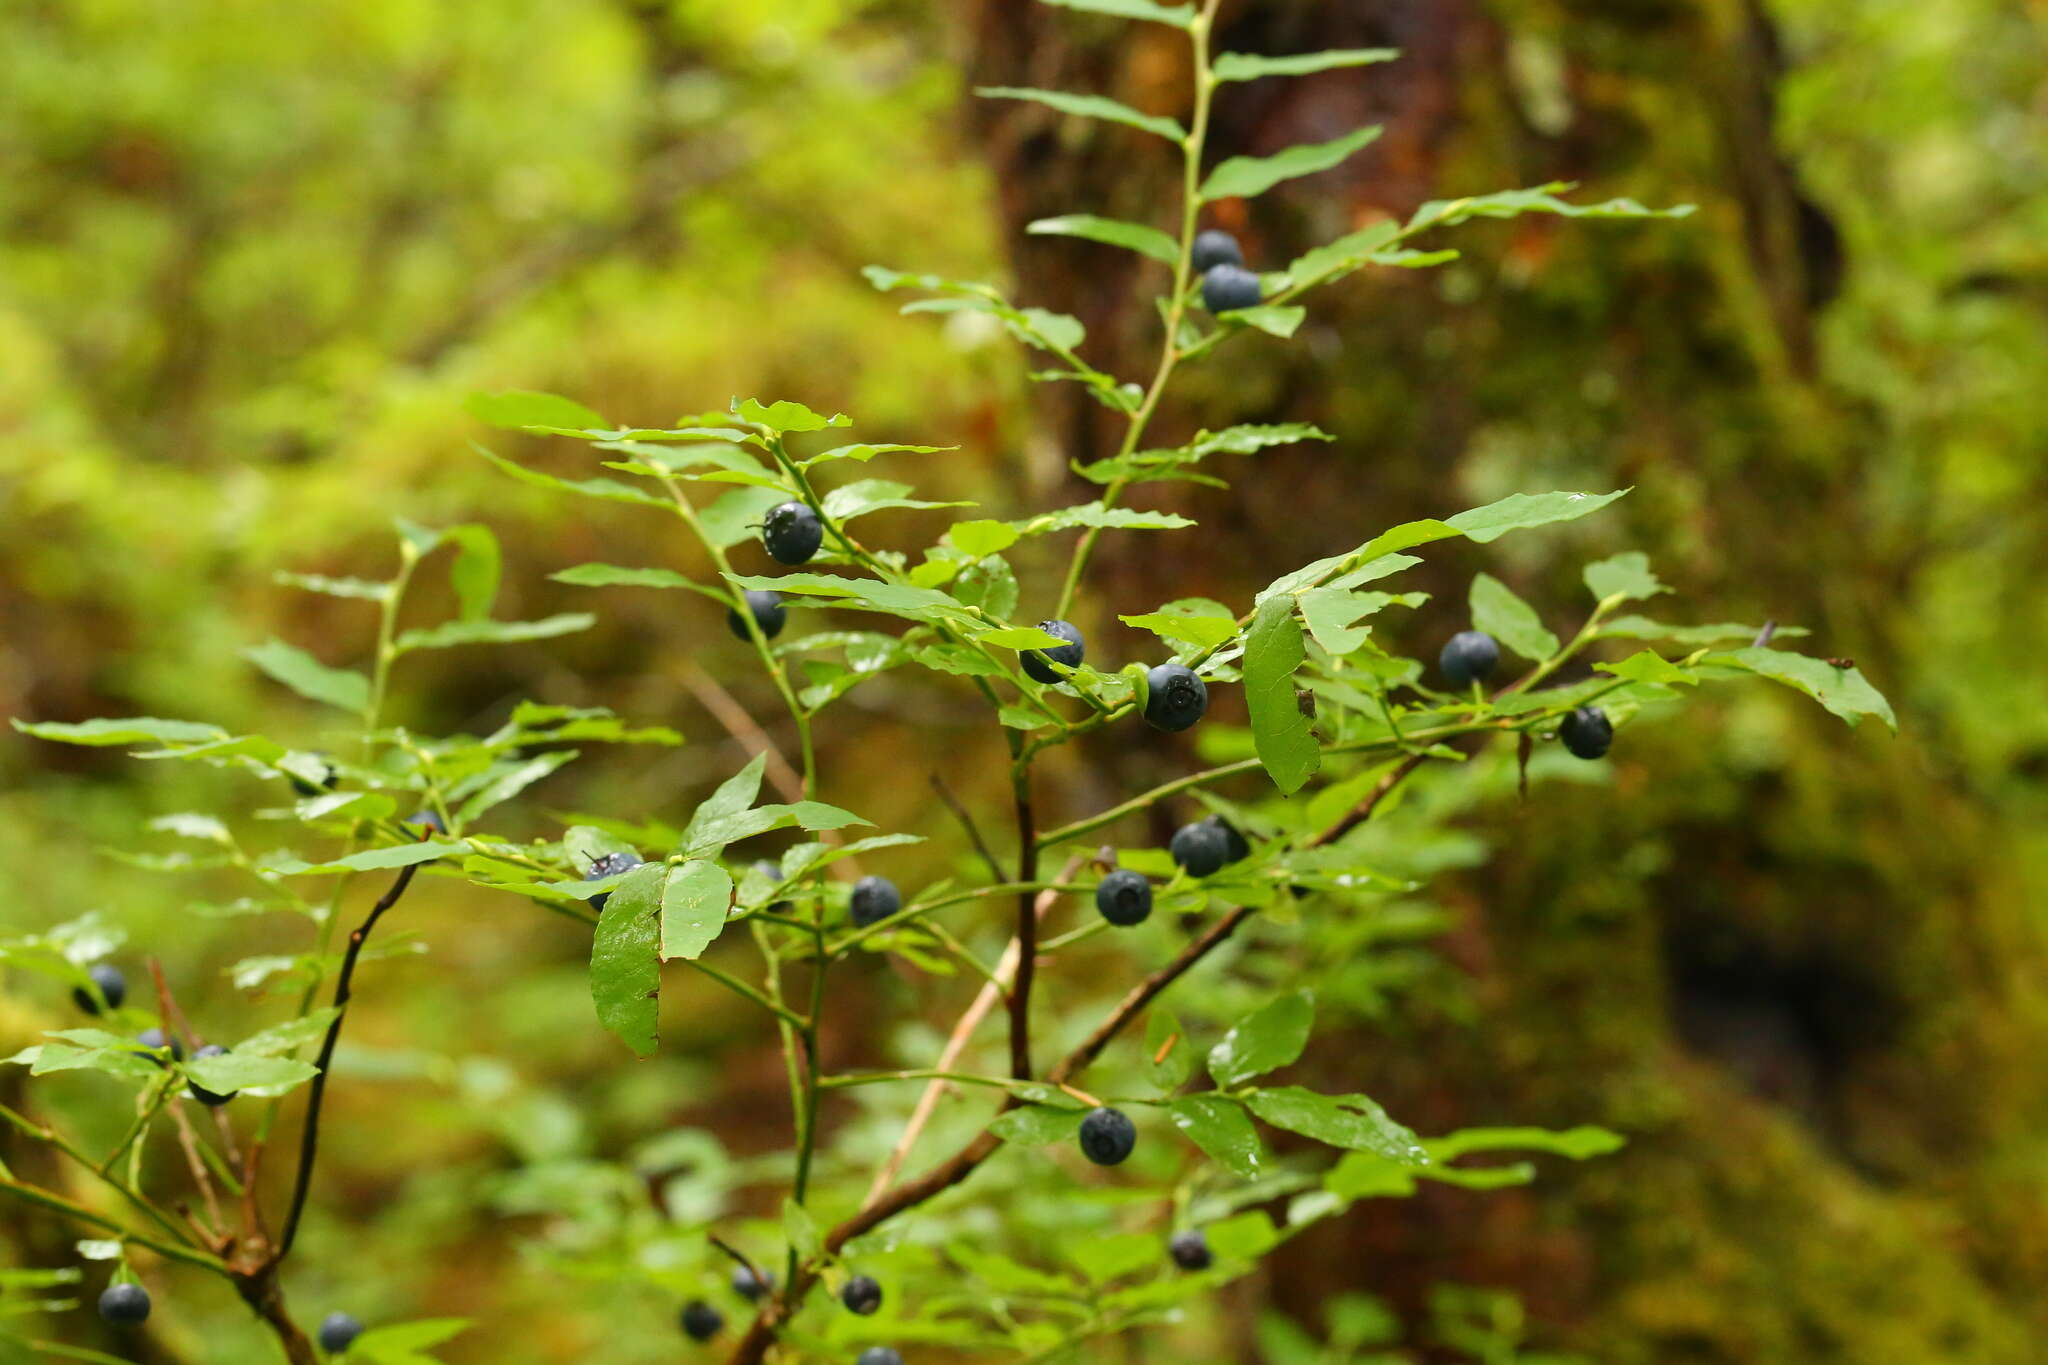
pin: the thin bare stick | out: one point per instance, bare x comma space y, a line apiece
1362, 812
966, 819
729, 713
174, 1019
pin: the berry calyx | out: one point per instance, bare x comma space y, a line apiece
792, 533
1107, 1136
338, 1332
1124, 897
700, 1321
862, 1294
113, 988
1201, 849
1038, 662
1215, 247
125, 1305
748, 1286
610, 865
880, 1355
1227, 288
1190, 1250
768, 612
1586, 732
1470, 656
199, 1092
1175, 697
874, 899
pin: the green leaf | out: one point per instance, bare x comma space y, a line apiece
1180, 16
189, 825
512, 779
1219, 1127
694, 905
1282, 321
378, 859
1196, 621
1330, 612
1245, 177
1245, 1237
523, 408
1037, 1125
1626, 576
1019, 637
128, 730
476, 569
1270, 1037
1280, 732
734, 795
864, 453
1094, 514
978, 538
802, 1230
359, 589
1103, 1258
1497, 611
894, 599
863, 496
1579, 1143
625, 966
235, 1071
307, 676
1169, 1056
1643, 628
1647, 666
452, 633
1350, 1121
1543, 199
736, 517
289, 1036
400, 1343
786, 416
609, 489
1089, 106
1147, 241
1845, 692
1374, 559
1522, 510
1241, 66
613, 575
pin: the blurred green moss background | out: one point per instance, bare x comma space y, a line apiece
252, 261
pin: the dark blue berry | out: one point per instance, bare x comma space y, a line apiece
862, 1294
792, 533
875, 899
610, 865
1175, 697
1235, 849
880, 1355
701, 1321
1586, 732
156, 1040
769, 614
1202, 848
1190, 1250
204, 1096
338, 1332
112, 985
1226, 288
125, 1305
1038, 663
1469, 657
750, 1288
1124, 897
1107, 1136
1213, 248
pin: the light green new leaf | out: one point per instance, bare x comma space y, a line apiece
1845, 692
523, 408
513, 779
1196, 621
977, 538
625, 964
1037, 1125
693, 908
1330, 612
1094, 514
786, 416
302, 673
233, 1071
401, 1343
1522, 510
1626, 576
1273, 319
1580, 1144
738, 515
894, 599
1245, 177
1269, 1038
863, 453
1220, 1128
1350, 1121
863, 496
476, 569
1147, 241
734, 795
1244, 66
1020, 637
289, 1036
614, 575
451, 633
802, 1230
377, 859
610, 490
1497, 611
1180, 16
1088, 106
1647, 666
1244, 1237
1543, 199
1280, 732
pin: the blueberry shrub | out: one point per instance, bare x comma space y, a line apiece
1164, 1127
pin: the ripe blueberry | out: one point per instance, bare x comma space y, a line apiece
1107, 1136
610, 865
875, 899
748, 1287
1586, 732
207, 1097
1235, 849
1216, 247
880, 1355
769, 614
125, 1305
1226, 288
1202, 848
1036, 663
1190, 1250
792, 533
1469, 657
1175, 698
1124, 897
862, 1294
112, 984
701, 1321
157, 1040
338, 1332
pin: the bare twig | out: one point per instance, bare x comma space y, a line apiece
1362, 812
1027, 926
966, 819
741, 726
